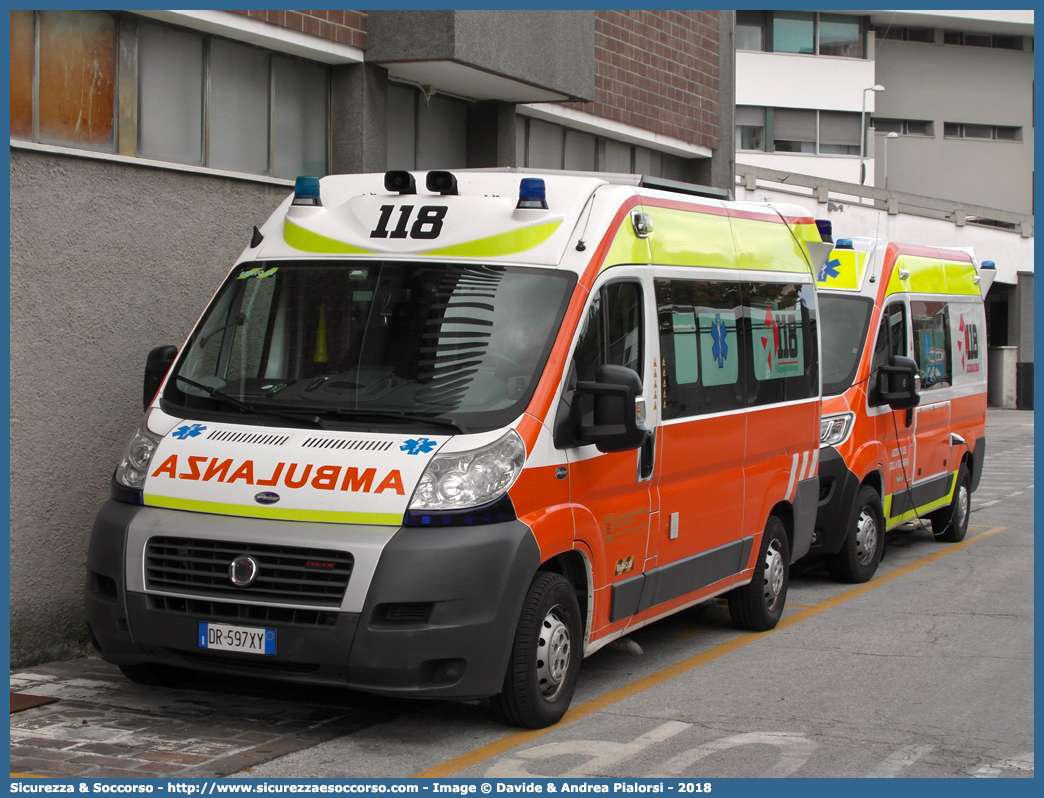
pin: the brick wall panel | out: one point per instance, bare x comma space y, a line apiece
346, 27
658, 70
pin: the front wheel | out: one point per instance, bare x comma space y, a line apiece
758, 606
545, 657
950, 523
861, 552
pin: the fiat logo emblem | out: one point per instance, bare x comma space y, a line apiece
243, 570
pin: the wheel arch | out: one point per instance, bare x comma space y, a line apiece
575, 567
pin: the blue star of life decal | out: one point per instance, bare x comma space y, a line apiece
830, 269
187, 431
418, 445
719, 349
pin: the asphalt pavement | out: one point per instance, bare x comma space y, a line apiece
926, 671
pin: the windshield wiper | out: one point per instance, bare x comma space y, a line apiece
394, 414
243, 407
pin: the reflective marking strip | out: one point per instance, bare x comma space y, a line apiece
793, 471
813, 470
307, 241
281, 513
804, 466
508, 243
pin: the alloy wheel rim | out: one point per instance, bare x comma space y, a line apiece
553, 654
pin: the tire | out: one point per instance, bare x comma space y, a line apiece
861, 552
950, 523
155, 674
758, 606
538, 689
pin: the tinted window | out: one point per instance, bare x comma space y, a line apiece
784, 363
844, 321
700, 346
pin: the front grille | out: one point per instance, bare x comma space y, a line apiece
288, 574
251, 613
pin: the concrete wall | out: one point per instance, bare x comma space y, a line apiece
952, 83
107, 261
549, 49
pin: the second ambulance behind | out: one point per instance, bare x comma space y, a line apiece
904, 383
443, 435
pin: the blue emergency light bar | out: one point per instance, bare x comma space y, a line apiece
306, 191
531, 193
844, 243
826, 230
987, 264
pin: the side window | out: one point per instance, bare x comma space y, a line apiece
784, 362
612, 333
931, 334
891, 337
700, 347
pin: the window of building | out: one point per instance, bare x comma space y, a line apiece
983, 40
546, 145
794, 32
63, 78
898, 33
838, 133
794, 130
425, 132
805, 32
797, 130
750, 30
200, 100
840, 35
956, 130
750, 127
905, 127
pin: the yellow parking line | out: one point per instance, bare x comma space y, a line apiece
516, 739
27, 776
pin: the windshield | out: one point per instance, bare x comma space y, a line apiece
367, 343
843, 322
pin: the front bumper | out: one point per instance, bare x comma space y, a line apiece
462, 588
838, 487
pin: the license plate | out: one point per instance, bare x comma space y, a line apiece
244, 639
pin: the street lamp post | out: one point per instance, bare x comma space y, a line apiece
862, 133
892, 135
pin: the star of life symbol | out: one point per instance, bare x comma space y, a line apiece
830, 269
187, 431
719, 348
418, 445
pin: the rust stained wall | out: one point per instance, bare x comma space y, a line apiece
658, 70
345, 27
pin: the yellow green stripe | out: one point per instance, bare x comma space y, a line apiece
277, 513
307, 241
933, 276
909, 515
509, 243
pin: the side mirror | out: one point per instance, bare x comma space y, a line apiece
157, 365
616, 390
898, 383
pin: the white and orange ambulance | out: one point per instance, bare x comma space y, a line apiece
444, 435
904, 383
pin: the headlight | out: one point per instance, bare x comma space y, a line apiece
833, 430
470, 479
137, 456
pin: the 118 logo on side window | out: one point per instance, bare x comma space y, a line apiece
428, 223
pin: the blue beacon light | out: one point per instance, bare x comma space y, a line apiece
306, 191
532, 194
